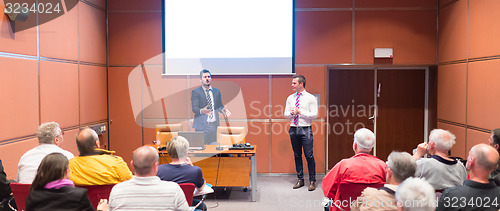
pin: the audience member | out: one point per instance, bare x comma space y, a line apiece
145, 191
96, 166
360, 168
52, 189
181, 170
4, 187
400, 166
439, 170
477, 193
494, 141
416, 194
50, 138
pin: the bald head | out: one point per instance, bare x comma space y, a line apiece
144, 160
86, 141
485, 156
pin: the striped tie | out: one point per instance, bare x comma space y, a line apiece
209, 100
296, 117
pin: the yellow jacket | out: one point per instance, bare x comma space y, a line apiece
101, 168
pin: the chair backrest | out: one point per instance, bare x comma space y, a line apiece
167, 131
188, 189
97, 192
349, 192
230, 135
21, 192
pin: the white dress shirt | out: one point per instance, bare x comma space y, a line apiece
308, 106
29, 162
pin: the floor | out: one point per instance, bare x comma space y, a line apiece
273, 193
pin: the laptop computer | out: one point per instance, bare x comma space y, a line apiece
196, 140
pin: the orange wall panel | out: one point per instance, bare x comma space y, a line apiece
315, 84
255, 92
142, 33
411, 35
475, 137
19, 109
59, 37
21, 42
283, 161
323, 4
328, 41
484, 37
69, 142
280, 90
91, 34
459, 149
257, 135
482, 94
396, 3
11, 153
124, 134
93, 94
282, 153
452, 84
59, 93
452, 40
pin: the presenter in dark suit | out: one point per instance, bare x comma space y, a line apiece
206, 102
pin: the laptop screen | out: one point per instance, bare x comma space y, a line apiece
195, 139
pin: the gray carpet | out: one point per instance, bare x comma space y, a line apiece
273, 193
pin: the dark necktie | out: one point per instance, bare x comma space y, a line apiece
209, 100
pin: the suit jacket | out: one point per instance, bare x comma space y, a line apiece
65, 198
199, 101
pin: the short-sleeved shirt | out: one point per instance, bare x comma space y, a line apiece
181, 174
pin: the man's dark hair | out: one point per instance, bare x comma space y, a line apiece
205, 71
85, 141
301, 78
496, 137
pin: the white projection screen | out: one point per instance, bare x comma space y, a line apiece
228, 36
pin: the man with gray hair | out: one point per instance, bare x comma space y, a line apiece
400, 166
416, 194
96, 166
361, 168
50, 138
145, 191
440, 170
477, 193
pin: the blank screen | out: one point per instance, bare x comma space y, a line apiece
228, 36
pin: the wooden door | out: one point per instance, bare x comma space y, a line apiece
400, 109
401, 105
351, 104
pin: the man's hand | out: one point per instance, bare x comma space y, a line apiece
206, 110
226, 112
422, 149
295, 111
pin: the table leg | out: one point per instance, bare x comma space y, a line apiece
253, 170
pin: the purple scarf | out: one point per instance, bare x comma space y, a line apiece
56, 184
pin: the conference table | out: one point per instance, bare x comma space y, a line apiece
224, 167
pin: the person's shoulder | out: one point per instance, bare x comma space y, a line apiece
197, 90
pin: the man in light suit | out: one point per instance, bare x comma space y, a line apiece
206, 115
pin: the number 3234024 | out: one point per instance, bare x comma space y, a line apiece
25, 7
